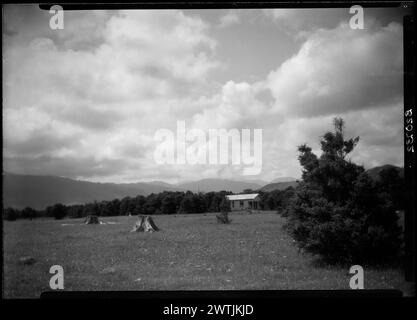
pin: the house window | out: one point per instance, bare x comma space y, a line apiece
241, 204
233, 204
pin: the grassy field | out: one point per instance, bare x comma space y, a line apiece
191, 252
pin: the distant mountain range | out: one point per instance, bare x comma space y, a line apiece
39, 192
279, 186
374, 172
283, 179
207, 185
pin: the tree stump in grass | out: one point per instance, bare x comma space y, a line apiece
91, 220
145, 224
223, 217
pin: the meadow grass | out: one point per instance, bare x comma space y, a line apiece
190, 252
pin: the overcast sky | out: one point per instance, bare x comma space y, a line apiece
85, 102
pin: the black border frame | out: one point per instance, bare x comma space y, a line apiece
409, 48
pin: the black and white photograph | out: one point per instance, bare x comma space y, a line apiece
224, 149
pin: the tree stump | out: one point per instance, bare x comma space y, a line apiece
91, 220
145, 224
223, 217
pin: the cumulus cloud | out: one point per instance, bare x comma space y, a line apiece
229, 19
302, 22
90, 109
79, 166
339, 70
237, 106
84, 30
336, 72
60, 101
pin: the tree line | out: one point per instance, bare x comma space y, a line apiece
167, 202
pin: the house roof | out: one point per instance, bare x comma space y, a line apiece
249, 196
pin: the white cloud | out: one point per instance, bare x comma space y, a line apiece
91, 111
300, 23
229, 19
237, 106
339, 70
107, 101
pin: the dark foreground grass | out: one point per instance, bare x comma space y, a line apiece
190, 252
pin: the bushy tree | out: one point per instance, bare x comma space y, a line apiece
114, 207
75, 211
10, 214
168, 205
276, 200
105, 209
193, 203
59, 211
213, 200
187, 204
338, 211
393, 185
199, 202
28, 213
124, 206
91, 209
152, 205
